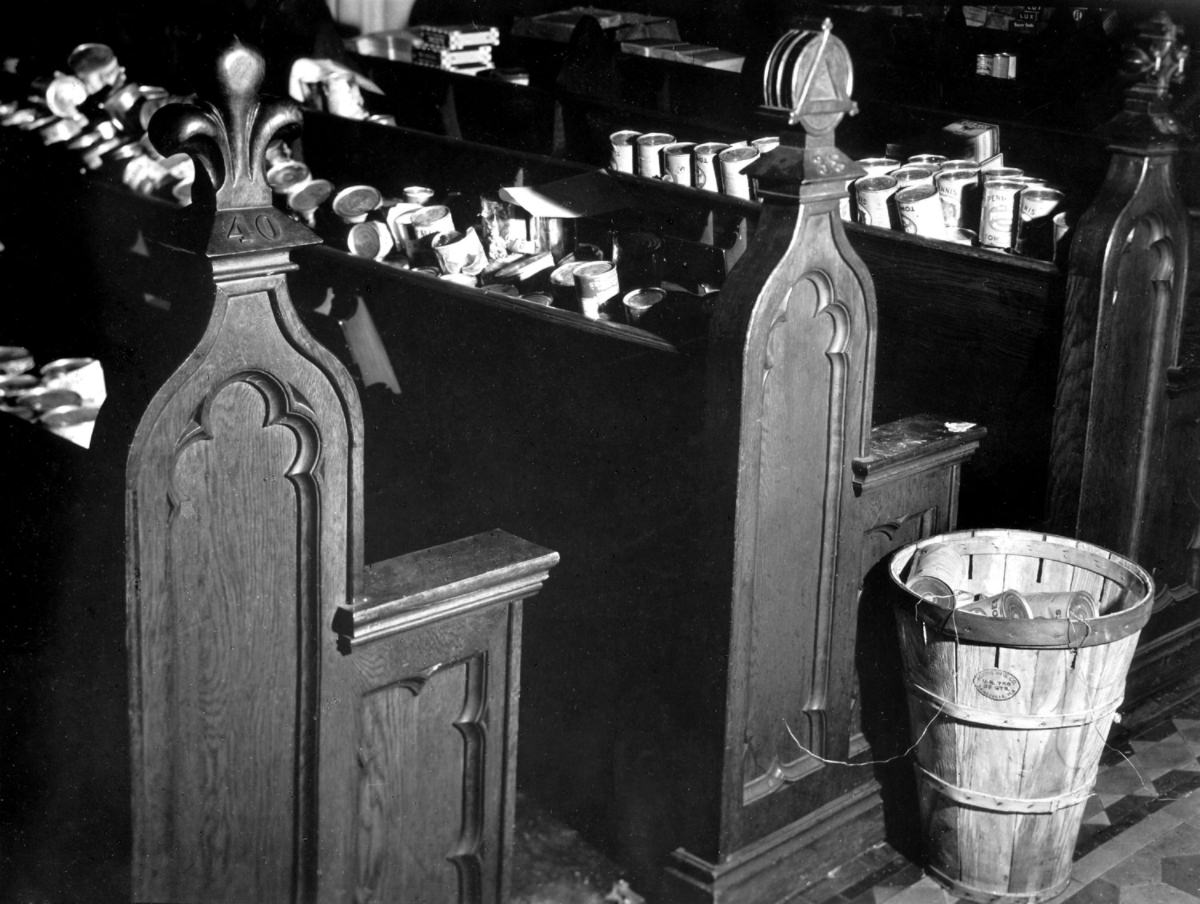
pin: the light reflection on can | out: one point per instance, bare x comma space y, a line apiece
595, 283
435, 220
704, 169
765, 145
305, 197
1006, 604
354, 202
878, 166
934, 160
913, 174
983, 63
371, 239
1036, 207
623, 144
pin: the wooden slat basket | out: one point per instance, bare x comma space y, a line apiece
1013, 714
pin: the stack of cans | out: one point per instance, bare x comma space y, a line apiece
714, 166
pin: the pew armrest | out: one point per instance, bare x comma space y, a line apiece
912, 445
441, 582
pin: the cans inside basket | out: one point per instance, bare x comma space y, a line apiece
937, 573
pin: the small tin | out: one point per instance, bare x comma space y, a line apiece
1036, 207
1004, 65
417, 194
305, 197
595, 283
958, 191
920, 211
765, 145
12, 385
983, 63
95, 65
435, 220
1062, 231
562, 283
677, 163
1000, 172
15, 360
649, 153
878, 166
871, 195
704, 165
64, 95
460, 252
623, 144
941, 561
370, 239
733, 163
354, 202
1071, 604
998, 215
639, 301
399, 221
342, 95
913, 174
286, 173
1006, 604
84, 141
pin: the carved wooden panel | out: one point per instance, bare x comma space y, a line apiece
242, 485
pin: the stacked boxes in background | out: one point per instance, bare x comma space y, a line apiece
465, 49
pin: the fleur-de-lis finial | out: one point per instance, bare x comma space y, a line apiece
228, 141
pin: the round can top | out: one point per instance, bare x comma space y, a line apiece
65, 94
417, 194
60, 366
709, 148
14, 359
913, 193
287, 173
876, 183
736, 155
769, 143
43, 398
564, 273
356, 200
679, 149
1000, 172
369, 240
309, 194
428, 216
625, 136
13, 384
1002, 186
655, 139
927, 159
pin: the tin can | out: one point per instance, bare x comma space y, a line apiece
623, 144
958, 191
399, 221
278, 151
1004, 66
940, 563
305, 197
983, 63
371, 239
677, 160
435, 220
638, 301
998, 214
417, 194
64, 94
95, 65
15, 359
343, 96
649, 153
460, 252
562, 283
1006, 604
765, 145
1036, 206
595, 283
934, 160
871, 195
704, 165
920, 211
878, 166
1000, 172
283, 175
733, 162
354, 202
912, 174
958, 164
1072, 604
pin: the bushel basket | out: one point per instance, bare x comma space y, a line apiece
1013, 714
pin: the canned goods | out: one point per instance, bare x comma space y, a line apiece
1004, 65
1077, 604
18, 117
941, 561
1000, 172
983, 63
371, 239
95, 65
64, 95
871, 194
15, 360
998, 214
306, 196
677, 160
595, 283
460, 252
399, 220
1036, 207
435, 220
920, 211
878, 166
765, 145
283, 175
934, 160
958, 191
354, 202
649, 153
623, 143
639, 301
343, 96
913, 174
562, 283
733, 162
704, 165
417, 194
1006, 604
1062, 228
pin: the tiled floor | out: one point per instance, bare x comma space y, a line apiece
1139, 843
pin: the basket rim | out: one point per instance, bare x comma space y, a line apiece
1038, 633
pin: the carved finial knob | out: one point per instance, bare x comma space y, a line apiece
227, 141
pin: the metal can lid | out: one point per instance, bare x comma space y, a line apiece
737, 154
625, 136
876, 183
679, 149
652, 139
62, 130
709, 148
356, 200
309, 194
912, 193
285, 174
644, 298
371, 239
427, 216
65, 94
417, 194
14, 359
